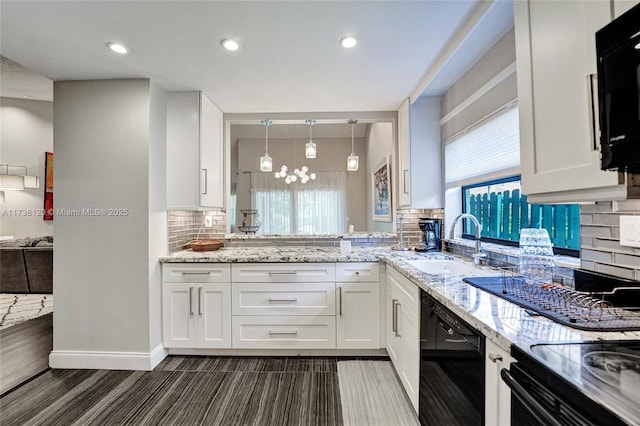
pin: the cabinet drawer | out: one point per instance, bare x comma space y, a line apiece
407, 292
358, 272
284, 332
283, 299
196, 272
283, 272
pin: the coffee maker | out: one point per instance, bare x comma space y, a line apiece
431, 229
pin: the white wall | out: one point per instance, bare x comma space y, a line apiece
379, 145
26, 133
108, 144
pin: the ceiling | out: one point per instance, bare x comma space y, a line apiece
289, 60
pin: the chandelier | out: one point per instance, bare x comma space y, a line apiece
297, 174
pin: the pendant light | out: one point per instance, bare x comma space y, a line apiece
352, 160
266, 163
310, 147
298, 174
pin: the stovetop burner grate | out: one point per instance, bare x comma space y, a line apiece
562, 304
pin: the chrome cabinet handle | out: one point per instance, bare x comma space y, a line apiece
205, 182
393, 316
196, 273
199, 300
398, 305
275, 333
495, 357
191, 301
406, 180
593, 108
283, 273
293, 300
340, 294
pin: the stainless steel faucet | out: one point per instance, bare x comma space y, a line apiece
477, 256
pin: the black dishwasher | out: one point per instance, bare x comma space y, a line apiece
451, 368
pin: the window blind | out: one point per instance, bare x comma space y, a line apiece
489, 150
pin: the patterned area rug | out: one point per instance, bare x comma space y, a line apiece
16, 308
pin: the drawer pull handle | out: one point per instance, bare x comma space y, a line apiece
340, 290
199, 300
276, 333
495, 357
394, 324
294, 300
196, 273
283, 273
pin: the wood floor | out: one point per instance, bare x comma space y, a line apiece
24, 350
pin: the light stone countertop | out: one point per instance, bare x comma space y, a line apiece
499, 320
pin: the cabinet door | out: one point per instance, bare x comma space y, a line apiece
559, 147
214, 315
211, 154
497, 393
409, 331
179, 320
404, 155
183, 121
358, 315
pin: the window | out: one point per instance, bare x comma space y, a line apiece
482, 163
315, 207
502, 210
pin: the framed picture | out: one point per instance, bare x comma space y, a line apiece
381, 191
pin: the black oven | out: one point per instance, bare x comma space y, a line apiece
451, 368
618, 49
587, 383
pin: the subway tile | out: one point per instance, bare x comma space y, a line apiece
599, 207
596, 231
586, 241
585, 264
597, 256
606, 219
613, 245
615, 270
623, 259
586, 219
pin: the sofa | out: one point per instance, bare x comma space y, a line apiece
26, 265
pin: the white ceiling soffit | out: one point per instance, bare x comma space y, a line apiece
18, 82
289, 59
299, 131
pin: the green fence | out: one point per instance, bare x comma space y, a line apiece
502, 214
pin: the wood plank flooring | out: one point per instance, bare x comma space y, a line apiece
184, 390
24, 350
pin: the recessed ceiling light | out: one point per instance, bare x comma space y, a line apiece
229, 44
118, 48
348, 42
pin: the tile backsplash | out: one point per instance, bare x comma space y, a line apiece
188, 225
410, 218
600, 248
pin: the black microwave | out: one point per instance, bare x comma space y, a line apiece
618, 49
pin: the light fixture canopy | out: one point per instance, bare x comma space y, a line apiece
352, 160
348, 42
118, 48
230, 44
266, 163
310, 147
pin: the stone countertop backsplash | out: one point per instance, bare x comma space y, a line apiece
501, 321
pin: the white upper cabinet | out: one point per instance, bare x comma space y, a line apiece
195, 152
419, 154
556, 68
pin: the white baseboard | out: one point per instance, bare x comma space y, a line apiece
277, 352
145, 361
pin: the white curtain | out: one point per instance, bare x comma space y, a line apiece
317, 207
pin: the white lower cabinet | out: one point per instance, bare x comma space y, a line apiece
497, 393
271, 305
196, 315
403, 332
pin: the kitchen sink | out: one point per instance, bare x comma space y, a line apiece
443, 267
